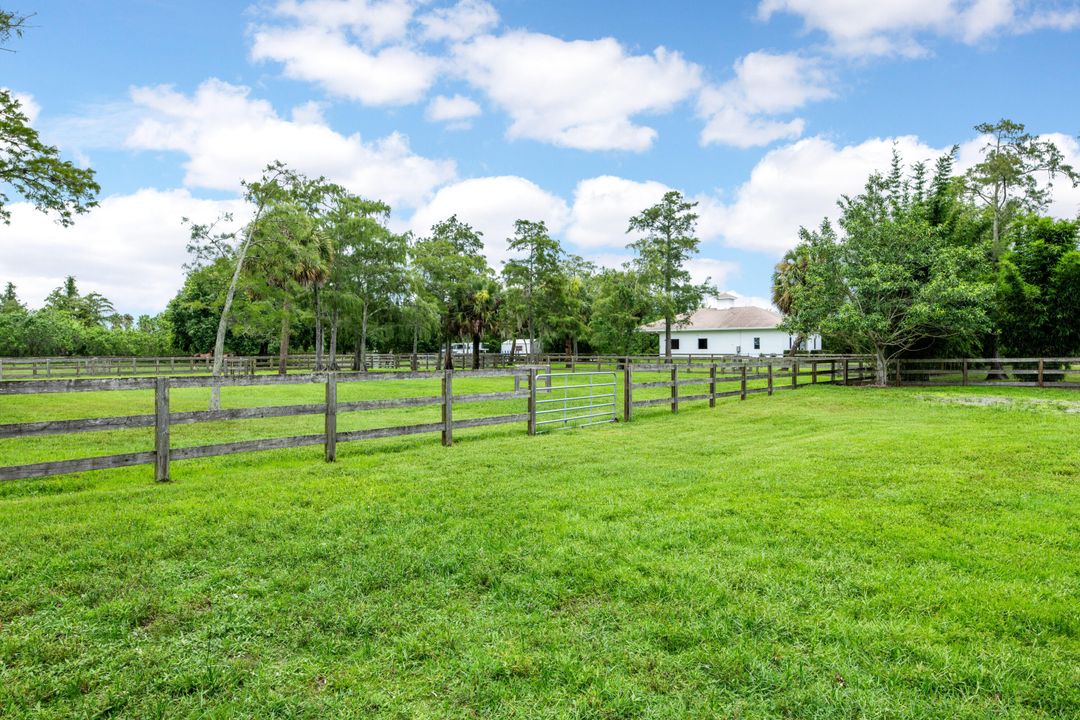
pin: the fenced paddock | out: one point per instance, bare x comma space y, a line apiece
350, 418
827, 553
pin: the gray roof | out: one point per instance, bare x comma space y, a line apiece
736, 318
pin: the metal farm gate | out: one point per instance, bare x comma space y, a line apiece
560, 401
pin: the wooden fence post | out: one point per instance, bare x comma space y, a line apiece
448, 408
813, 372
1040, 372
770, 379
628, 392
845, 371
742, 385
161, 429
794, 373
964, 372
712, 385
898, 361
331, 417
532, 401
674, 388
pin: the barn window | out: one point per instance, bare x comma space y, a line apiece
757, 343
674, 343
703, 343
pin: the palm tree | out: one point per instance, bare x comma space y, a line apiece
477, 312
789, 274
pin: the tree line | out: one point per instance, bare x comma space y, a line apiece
931, 263
318, 269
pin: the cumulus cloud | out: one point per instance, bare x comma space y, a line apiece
739, 111
603, 207
130, 248
395, 75
896, 27
228, 135
799, 184
580, 94
456, 110
374, 23
492, 205
459, 22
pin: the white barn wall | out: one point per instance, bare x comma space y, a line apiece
733, 342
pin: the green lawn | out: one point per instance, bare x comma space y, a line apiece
829, 552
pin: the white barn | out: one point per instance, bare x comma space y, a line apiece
729, 330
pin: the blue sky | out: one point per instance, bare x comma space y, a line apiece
577, 113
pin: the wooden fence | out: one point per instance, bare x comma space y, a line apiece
89, 367
1007, 372
781, 374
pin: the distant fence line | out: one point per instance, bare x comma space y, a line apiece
780, 374
1058, 372
15, 368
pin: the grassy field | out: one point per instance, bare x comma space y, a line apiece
830, 552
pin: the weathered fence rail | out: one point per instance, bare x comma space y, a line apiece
1057, 372
90, 367
681, 375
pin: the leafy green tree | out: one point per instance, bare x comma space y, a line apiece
89, 310
1039, 288
419, 313
291, 254
622, 303
893, 281
789, 274
532, 275
30, 168
208, 244
566, 302
667, 243
449, 259
9, 301
370, 268
476, 311
1007, 182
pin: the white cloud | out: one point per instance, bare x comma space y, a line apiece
130, 248
895, 27
603, 207
395, 75
764, 84
717, 272
459, 22
456, 110
492, 205
374, 23
581, 94
799, 184
227, 136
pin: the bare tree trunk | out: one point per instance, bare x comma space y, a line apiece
363, 339
318, 329
223, 322
283, 349
449, 363
667, 339
881, 368
333, 338
476, 351
415, 338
